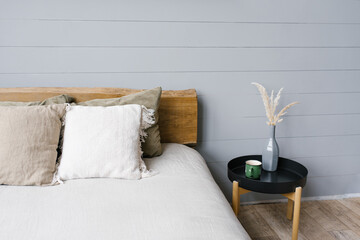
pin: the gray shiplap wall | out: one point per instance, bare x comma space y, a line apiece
312, 48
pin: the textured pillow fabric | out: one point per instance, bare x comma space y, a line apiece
53, 100
28, 142
104, 142
60, 99
151, 100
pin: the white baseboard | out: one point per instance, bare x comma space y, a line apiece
329, 197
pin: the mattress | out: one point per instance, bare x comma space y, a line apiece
181, 201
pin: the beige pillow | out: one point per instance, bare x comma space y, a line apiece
60, 99
28, 142
151, 100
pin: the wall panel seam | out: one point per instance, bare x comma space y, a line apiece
176, 21
180, 47
200, 71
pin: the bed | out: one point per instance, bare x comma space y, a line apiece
182, 201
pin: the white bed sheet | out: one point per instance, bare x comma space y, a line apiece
181, 202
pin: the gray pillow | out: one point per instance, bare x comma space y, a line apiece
150, 99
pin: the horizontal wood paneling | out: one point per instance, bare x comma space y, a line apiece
44, 60
232, 83
323, 11
252, 106
180, 35
292, 127
225, 150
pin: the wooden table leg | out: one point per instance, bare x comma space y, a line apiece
297, 203
290, 209
235, 197
293, 210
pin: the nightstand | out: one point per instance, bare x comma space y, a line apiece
288, 180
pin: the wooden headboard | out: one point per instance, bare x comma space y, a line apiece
177, 113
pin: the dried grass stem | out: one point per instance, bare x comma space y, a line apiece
271, 103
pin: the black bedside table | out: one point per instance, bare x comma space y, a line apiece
288, 180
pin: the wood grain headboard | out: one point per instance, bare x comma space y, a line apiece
177, 113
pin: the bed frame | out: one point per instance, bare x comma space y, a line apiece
177, 113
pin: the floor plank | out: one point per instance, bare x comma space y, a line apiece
344, 235
254, 224
308, 226
344, 214
277, 221
323, 216
352, 203
330, 220
267, 238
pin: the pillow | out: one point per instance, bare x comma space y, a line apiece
53, 100
28, 142
104, 142
60, 99
150, 99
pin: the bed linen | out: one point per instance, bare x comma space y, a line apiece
181, 202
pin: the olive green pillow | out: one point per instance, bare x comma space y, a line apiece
49, 101
150, 99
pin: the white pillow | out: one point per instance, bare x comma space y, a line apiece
104, 142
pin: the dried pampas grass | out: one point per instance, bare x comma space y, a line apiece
271, 103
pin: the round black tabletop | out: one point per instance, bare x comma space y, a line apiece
288, 176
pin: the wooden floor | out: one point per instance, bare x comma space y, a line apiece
328, 220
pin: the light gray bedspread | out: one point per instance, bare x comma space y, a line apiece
181, 202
